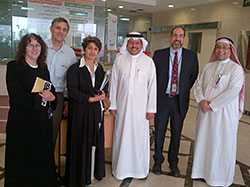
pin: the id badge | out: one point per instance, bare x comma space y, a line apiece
174, 88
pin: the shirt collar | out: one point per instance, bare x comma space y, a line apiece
172, 51
83, 63
224, 61
50, 46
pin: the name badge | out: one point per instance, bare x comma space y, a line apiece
174, 88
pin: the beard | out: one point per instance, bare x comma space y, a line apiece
176, 44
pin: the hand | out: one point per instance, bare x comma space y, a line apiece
113, 112
97, 98
47, 95
204, 104
150, 116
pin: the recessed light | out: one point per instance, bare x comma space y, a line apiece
109, 10
124, 19
120, 6
103, 0
26, 8
170, 6
235, 3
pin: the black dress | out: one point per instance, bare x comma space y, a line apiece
28, 156
83, 129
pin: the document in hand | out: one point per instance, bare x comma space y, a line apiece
40, 85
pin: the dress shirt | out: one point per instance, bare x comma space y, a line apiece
171, 60
58, 62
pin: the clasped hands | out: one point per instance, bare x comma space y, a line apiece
47, 95
97, 98
205, 107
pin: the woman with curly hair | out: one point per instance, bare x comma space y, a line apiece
28, 156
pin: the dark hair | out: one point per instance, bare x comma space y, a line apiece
59, 19
224, 37
178, 27
25, 40
91, 39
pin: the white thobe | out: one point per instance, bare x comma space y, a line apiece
132, 95
216, 133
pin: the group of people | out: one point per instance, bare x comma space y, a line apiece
141, 89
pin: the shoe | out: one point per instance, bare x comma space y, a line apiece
157, 169
175, 172
126, 182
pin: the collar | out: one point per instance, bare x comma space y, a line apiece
224, 61
83, 63
50, 46
172, 51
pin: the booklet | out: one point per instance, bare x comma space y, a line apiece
40, 85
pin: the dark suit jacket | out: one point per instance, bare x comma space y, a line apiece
188, 75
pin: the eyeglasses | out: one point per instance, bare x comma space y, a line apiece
33, 46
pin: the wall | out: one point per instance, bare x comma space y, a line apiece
232, 18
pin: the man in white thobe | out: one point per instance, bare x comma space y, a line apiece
133, 102
220, 94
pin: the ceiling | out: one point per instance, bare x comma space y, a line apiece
138, 6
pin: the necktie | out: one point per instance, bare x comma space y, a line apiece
174, 78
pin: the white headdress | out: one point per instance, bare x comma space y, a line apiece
134, 36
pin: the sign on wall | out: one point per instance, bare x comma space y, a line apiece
112, 32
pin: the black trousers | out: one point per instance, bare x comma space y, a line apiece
168, 109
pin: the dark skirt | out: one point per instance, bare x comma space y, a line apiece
29, 159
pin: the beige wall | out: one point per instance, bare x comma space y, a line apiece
140, 24
232, 18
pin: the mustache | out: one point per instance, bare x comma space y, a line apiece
177, 41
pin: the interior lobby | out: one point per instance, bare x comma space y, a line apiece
111, 21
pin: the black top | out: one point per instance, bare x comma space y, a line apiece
28, 156
85, 127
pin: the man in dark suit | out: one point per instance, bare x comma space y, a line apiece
177, 70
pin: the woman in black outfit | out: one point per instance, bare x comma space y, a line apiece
28, 156
86, 131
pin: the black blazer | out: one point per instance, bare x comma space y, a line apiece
188, 75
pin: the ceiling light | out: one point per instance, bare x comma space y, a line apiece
170, 6
235, 3
109, 10
103, 0
26, 8
124, 19
120, 6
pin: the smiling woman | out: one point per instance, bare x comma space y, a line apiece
28, 154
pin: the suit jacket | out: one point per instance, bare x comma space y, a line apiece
188, 75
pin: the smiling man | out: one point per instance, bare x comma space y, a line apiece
177, 70
133, 102
219, 91
60, 57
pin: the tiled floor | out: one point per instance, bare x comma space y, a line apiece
242, 177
